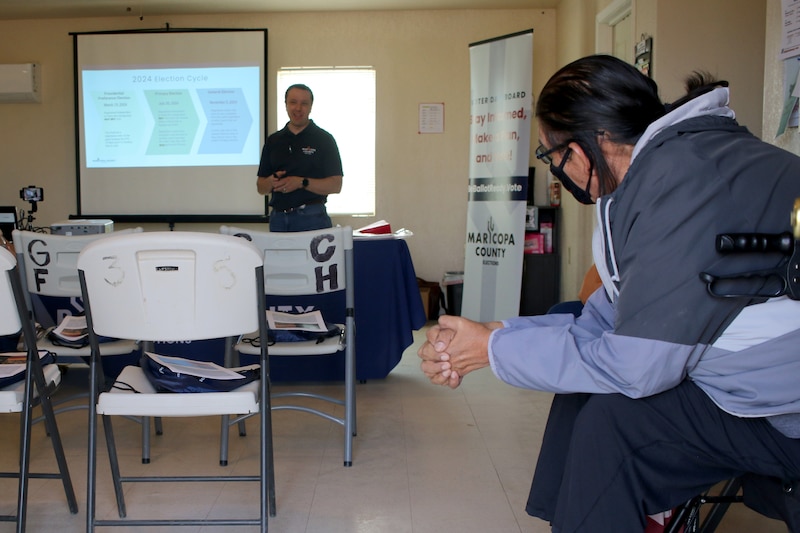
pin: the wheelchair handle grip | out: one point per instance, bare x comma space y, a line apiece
728, 243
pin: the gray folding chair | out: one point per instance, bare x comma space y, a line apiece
23, 396
173, 286
48, 267
310, 263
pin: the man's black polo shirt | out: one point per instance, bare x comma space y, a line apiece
311, 154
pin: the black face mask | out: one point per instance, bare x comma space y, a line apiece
581, 195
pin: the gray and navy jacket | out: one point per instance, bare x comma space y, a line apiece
695, 173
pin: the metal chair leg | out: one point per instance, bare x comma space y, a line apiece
58, 447
223, 439
687, 516
25, 453
114, 461
145, 440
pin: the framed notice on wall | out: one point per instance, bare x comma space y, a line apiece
431, 118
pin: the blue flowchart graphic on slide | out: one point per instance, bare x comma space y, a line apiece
171, 117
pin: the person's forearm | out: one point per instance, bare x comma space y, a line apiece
323, 186
264, 185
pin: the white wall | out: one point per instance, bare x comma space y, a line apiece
724, 37
420, 56
576, 32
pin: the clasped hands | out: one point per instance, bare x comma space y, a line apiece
455, 347
283, 183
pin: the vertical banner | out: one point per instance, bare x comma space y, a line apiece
500, 130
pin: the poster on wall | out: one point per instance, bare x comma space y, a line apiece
644, 56
500, 131
790, 29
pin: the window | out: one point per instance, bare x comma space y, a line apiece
344, 105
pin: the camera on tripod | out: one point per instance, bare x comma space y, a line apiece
32, 194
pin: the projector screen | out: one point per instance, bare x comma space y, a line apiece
170, 124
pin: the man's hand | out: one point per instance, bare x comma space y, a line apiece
281, 182
271, 183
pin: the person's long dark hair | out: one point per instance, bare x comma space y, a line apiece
603, 95
598, 95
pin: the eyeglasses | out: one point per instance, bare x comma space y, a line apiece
543, 153
583, 196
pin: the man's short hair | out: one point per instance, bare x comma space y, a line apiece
300, 86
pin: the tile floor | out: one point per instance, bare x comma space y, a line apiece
427, 460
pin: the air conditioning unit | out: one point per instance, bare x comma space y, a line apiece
19, 83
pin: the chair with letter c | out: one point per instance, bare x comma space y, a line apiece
303, 264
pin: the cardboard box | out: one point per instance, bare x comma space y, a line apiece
425, 294
430, 293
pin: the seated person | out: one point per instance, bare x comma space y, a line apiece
661, 390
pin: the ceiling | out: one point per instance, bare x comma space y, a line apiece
28, 9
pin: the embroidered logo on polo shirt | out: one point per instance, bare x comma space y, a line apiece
307, 150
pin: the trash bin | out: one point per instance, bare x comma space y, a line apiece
453, 283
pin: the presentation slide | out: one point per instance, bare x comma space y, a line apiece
171, 117
170, 124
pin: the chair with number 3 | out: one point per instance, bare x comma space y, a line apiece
173, 286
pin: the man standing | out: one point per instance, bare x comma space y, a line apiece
300, 166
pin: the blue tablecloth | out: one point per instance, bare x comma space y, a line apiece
388, 305
388, 309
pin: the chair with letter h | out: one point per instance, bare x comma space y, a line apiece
772, 497
23, 396
308, 264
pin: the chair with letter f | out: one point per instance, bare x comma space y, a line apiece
309, 264
23, 396
173, 286
48, 268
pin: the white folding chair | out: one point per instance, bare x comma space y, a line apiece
48, 267
23, 396
173, 286
302, 264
